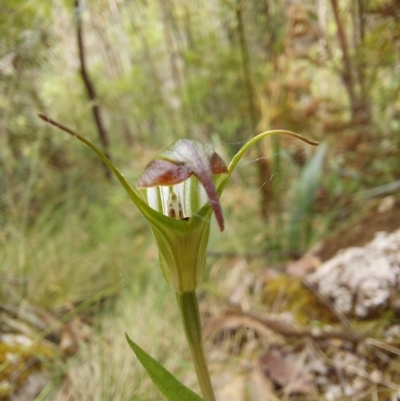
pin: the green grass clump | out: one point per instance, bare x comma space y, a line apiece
74, 248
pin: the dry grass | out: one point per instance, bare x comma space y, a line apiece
105, 368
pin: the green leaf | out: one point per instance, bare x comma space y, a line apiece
172, 389
306, 190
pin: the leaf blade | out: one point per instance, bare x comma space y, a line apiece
168, 385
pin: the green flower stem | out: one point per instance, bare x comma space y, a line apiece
189, 310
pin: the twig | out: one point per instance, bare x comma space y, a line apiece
284, 328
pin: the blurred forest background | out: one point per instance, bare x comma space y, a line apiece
134, 76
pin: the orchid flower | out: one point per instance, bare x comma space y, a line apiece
177, 194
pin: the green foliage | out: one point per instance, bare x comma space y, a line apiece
305, 192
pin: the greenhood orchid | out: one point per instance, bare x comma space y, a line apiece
174, 189
177, 193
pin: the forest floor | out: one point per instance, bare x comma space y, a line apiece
268, 334
307, 349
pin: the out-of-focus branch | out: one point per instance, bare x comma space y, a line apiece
347, 73
90, 90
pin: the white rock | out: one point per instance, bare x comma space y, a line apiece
360, 280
